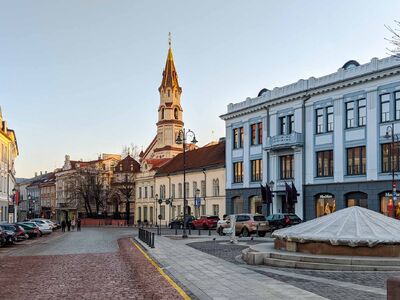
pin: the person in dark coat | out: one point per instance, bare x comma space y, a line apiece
69, 225
63, 224
78, 225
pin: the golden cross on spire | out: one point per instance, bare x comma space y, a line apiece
169, 39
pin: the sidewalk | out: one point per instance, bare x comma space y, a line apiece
209, 277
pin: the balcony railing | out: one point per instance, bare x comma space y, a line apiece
283, 141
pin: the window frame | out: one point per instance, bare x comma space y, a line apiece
381, 103
238, 172
283, 162
256, 165
328, 114
319, 116
327, 157
253, 134
361, 168
359, 107
350, 124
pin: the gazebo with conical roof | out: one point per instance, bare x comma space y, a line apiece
354, 231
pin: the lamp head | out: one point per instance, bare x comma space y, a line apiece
194, 141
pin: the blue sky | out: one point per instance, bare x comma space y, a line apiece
81, 77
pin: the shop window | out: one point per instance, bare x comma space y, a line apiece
357, 199
255, 205
325, 204
389, 207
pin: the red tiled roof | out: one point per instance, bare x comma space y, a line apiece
129, 164
156, 162
205, 157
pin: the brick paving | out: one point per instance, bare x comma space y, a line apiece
120, 272
230, 253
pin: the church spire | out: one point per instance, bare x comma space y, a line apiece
170, 76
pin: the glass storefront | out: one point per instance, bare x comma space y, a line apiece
325, 204
357, 199
255, 205
388, 207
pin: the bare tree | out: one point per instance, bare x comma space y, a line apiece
132, 150
127, 189
395, 39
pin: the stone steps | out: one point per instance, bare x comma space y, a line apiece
345, 260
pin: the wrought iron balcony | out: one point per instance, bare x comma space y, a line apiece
285, 141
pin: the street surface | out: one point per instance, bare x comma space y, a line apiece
91, 264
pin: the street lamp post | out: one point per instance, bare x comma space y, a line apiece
30, 206
181, 140
197, 202
390, 134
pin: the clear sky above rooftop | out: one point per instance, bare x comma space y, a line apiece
81, 77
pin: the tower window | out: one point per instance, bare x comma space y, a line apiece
176, 113
169, 93
162, 113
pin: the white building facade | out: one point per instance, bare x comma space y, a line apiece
329, 136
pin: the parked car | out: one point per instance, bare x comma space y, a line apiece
10, 235
205, 222
44, 228
248, 224
31, 230
178, 222
277, 221
2, 237
18, 230
49, 222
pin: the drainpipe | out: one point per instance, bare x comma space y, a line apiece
205, 192
303, 124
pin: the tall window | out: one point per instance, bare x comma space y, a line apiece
238, 135
241, 136
356, 160
151, 191
162, 113
140, 192
397, 103
385, 108
325, 163
320, 120
253, 129
290, 121
173, 191
194, 188
215, 209
282, 125
162, 212
260, 133
350, 114
386, 151
329, 118
176, 113
203, 188
187, 189
256, 170
145, 192
179, 190
235, 138
238, 172
216, 187
287, 166
362, 112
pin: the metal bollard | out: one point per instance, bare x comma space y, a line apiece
257, 229
209, 232
199, 232
190, 231
176, 231
152, 240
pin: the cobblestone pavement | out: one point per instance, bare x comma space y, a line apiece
313, 282
92, 264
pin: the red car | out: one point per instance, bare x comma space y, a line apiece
205, 222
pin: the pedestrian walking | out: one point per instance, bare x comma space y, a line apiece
69, 225
78, 228
63, 224
73, 224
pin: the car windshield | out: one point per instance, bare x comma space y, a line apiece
39, 221
259, 218
294, 217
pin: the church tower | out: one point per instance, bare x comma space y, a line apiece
170, 112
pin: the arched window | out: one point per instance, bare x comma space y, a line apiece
162, 114
237, 205
169, 93
357, 199
325, 204
176, 113
215, 187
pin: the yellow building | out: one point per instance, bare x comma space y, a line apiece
8, 154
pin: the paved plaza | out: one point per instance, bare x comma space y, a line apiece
103, 263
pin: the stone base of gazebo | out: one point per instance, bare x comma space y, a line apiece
321, 248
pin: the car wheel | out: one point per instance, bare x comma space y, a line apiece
261, 234
245, 232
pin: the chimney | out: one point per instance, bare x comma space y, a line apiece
41, 173
45, 172
35, 174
